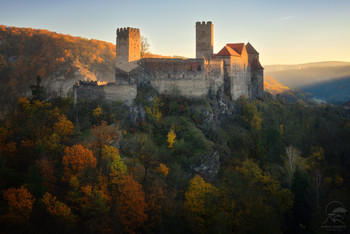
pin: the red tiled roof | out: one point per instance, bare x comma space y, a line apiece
250, 49
238, 47
227, 51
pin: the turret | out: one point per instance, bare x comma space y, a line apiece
204, 39
128, 47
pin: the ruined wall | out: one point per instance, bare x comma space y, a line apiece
204, 39
91, 91
87, 90
123, 92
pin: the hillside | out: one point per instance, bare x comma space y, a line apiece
298, 76
60, 60
272, 86
335, 91
328, 81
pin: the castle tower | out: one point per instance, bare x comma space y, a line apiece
204, 39
128, 48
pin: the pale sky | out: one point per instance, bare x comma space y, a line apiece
284, 32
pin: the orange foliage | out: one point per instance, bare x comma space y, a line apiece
132, 206
58, 52
57, 208
20, 201
47, 170
76, 160
103, 134
272, 86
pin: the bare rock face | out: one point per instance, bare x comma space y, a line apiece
63, 85
209, 165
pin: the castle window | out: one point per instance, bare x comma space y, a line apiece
199, 68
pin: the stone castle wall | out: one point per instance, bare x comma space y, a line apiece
85, 90
123, 92
188, 77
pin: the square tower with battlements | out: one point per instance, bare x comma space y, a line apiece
204, 39
127, 48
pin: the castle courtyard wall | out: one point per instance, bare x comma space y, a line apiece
123, 92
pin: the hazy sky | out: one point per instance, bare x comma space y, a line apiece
283, 31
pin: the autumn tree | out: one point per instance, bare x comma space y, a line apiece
129, 203
171, 138
101, 135
56, 208
199, 203
63, 127
77, 160
20, 202
113, 164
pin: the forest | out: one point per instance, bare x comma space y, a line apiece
26, 53
174, 167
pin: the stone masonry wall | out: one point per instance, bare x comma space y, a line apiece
186, 76
123, 92
189, 77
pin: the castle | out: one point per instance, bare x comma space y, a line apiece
235, 70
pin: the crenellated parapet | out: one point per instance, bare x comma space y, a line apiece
203, 23
126, 31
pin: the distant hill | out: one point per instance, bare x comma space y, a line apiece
325, 80
60, 60
336, 91
300, 75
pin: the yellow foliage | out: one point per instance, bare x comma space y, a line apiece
281, 128
64, 126
171, 138
97, 112
20, 201
53, 143
196, 195
57, 208
111, 156
253, 172
154, 111
163, 169
316, 156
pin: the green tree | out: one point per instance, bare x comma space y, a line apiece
38, 91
